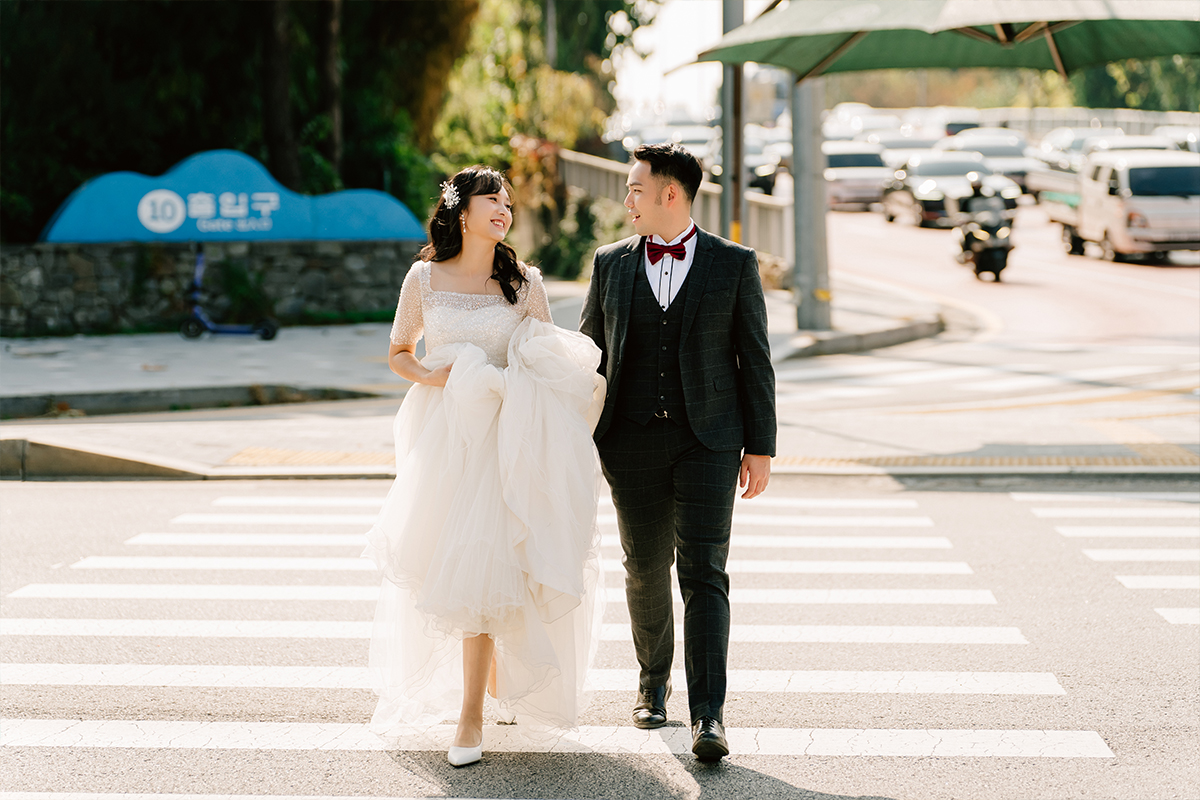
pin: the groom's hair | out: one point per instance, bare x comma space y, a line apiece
670, 162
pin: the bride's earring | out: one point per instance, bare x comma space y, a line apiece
463, 220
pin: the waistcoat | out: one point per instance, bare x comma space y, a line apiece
650, 376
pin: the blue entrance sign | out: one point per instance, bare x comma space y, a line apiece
222, 196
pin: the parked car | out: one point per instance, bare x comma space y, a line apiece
920, 189
1056, 146
1134, 202
1184, 137
854, 172
1095, 144
1006, 155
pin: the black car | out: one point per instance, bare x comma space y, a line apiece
919, 190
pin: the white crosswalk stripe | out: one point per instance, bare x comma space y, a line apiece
587, 739
274, 525
1132, 506
351, 629
612, 680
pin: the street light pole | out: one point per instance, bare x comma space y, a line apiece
810, 277
732, 189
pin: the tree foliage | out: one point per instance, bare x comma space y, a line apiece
91, 87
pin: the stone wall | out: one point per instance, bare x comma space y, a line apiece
64, 289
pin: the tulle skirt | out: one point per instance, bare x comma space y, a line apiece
490, 527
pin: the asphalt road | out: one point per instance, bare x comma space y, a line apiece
891, 640
954, 637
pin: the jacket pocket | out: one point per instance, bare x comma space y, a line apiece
723, 383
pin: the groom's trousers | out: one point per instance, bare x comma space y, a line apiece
674, 501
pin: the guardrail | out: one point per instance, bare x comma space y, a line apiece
767, 228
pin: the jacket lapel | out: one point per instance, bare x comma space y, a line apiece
631, 260
696, 280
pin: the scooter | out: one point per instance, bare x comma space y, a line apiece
985, 236
200, 322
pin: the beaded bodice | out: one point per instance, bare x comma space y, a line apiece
486, 321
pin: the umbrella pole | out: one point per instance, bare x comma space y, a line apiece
810, 276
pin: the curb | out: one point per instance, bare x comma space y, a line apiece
150, 400
826, 343
29, 460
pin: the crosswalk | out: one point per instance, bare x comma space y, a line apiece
253, 568
877, 377
1131, 508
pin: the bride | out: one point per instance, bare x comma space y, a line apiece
487, 540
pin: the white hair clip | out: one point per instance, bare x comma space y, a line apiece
449, 194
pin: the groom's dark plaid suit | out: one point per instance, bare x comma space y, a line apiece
673, 480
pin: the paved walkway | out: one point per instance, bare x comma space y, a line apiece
351, 438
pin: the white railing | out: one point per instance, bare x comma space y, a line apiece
768, 226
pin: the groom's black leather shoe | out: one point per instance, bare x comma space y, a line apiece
708, 740
651, 708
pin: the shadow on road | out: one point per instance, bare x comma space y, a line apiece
614, 777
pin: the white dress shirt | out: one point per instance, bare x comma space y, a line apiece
668, 275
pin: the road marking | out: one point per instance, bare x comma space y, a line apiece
788, 521
264, 501
251, 539
359, 540
1117, 513
1162, 554
313, 564
1102, 497
204, 591
924, 376
274, 519
226, 562
848, 634
904, 742
826, 542
848, 370
159, 591
1022, 382
831, 393
1160, 581
610, 632
833, 567
805, 521
842, 596
1131, 532
603, 680
1180, 616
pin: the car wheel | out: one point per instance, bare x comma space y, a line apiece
191, 328
1108, 252
1072, 242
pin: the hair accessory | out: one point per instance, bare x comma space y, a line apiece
449, 194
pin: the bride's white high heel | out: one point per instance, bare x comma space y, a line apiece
461, 756
504, 715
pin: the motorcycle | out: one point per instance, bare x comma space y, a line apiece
984, 236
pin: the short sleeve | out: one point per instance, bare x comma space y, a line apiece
410, 322
537, 301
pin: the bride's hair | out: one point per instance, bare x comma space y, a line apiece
445, 228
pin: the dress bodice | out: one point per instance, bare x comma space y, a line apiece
486, 321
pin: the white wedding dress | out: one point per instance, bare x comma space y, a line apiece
490, 526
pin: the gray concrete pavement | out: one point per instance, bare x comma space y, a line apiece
67, 377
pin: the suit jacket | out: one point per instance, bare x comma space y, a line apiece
724, 356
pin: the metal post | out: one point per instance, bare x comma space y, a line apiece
811, 271
732, 188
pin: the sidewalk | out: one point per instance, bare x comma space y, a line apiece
352, 438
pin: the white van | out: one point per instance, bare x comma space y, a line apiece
1138, 202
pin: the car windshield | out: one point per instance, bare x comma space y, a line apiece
1164, 181
855, 160
996, 150
947, 168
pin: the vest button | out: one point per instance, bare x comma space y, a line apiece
662, 374
664, 347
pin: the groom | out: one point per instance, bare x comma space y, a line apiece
679, 317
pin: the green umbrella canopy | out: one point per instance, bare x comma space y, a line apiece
814, 37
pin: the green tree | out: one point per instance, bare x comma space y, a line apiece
91, 87
1159, 84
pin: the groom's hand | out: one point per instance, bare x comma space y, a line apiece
756, 471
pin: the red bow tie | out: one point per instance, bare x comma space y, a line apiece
676, 251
